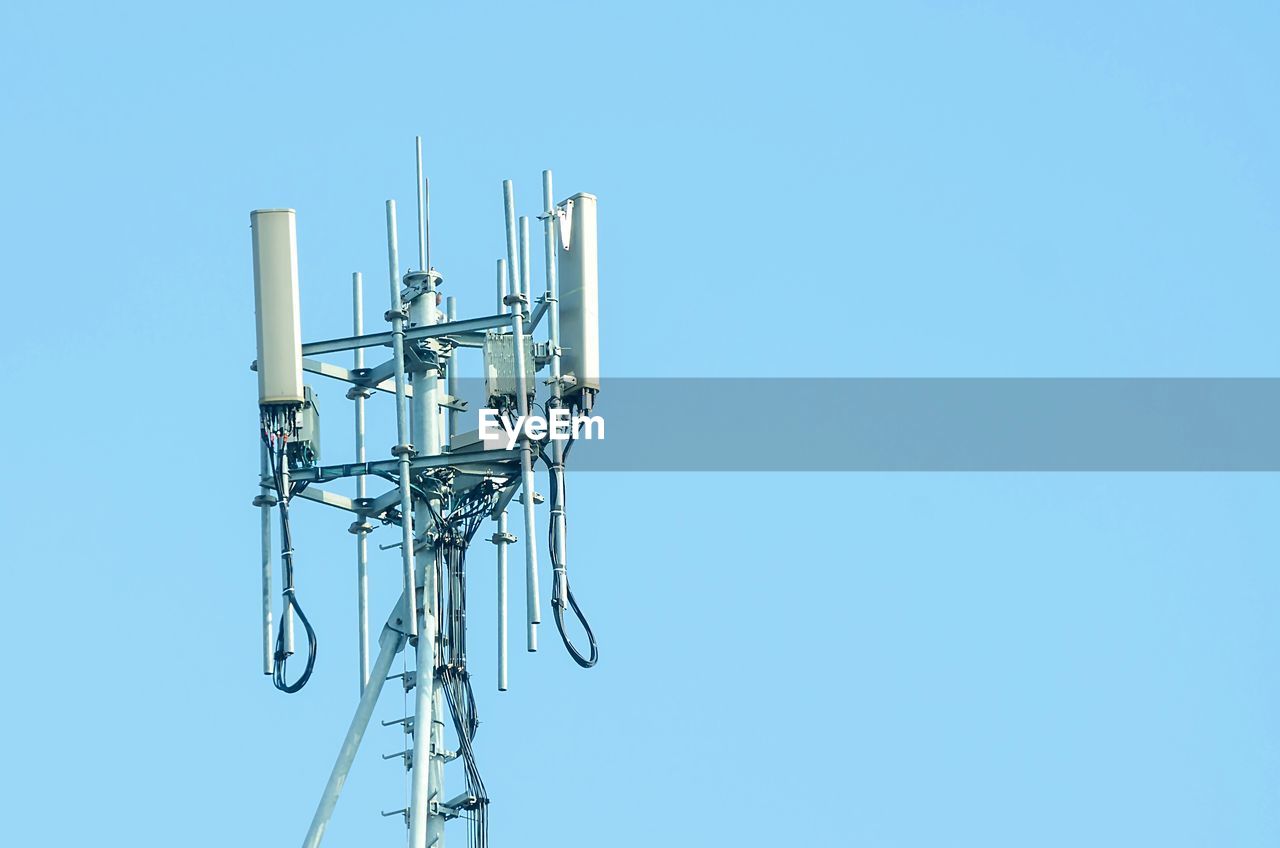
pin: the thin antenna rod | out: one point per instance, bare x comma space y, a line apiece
502, 287
451, 374
403, 448
422, 210
526, 286
501, 539
522, 408
358, 394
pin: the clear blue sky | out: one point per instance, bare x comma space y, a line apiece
931, 189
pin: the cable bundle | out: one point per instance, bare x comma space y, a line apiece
555, 476
455, 532
278, 424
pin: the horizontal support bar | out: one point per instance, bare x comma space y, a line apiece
338, 372
328, 498
321, 473
430, 331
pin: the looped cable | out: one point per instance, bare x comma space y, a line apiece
277, 452
279, 679
562, 592
585, 662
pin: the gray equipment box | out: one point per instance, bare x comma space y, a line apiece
304, 446
500, 367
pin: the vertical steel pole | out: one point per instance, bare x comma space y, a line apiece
502, 601
451, 384
265, 497
502, 527
502, 286
286, 613
560, 584
520, 302
358, 394
389, 645
426, 827
526, 287
403, 448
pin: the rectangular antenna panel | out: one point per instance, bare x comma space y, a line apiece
579, 298
275, 290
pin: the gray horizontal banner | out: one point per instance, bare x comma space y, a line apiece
931, 425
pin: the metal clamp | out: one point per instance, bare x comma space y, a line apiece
265, 500
408, 677
420, 282
403, 450
407, 721
564, 214
454, 807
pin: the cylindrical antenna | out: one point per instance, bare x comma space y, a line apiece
513, 250
533, 609
502, 286
422, 210
403, 448
501, 539
451, 375
362, 536
526, 286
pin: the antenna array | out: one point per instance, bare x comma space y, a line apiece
445, 484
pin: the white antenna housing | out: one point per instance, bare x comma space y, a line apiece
275, 289
579, 293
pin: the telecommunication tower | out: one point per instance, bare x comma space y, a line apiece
445, 484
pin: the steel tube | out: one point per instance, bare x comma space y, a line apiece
468, 325
427, 779
402, 415
389, 645
268, 637
502, 601
462, 459
502, 287
560, 585
422, 793
422, 210
362, 536
451, 384
533, 611
286, 611
526, 287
